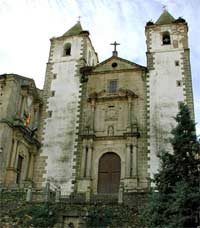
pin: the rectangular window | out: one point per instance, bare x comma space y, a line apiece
112, 86
49, 114
178, 83
52, 93
179, 104
176, 63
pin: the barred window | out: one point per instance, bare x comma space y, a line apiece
112, 86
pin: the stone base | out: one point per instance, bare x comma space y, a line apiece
130, 184
83, 185
10, 179
27, 183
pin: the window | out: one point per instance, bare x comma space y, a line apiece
178, 83
67, 49
114, 65
176, 63
53, 93
166, 38
49, 114
179, 104
54, 76
112, 86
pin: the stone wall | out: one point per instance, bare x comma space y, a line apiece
168, 84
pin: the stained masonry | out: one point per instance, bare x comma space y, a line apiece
96, 128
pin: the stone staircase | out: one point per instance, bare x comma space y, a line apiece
104, 198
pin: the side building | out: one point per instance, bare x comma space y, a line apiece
20, 105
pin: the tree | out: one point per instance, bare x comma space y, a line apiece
176, 200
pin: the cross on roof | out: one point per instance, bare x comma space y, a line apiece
164, 7
79, 18
115, 45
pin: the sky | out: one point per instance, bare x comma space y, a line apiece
27, 25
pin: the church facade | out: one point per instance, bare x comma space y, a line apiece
95, 127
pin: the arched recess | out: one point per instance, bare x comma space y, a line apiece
109, 173
67, 49
166, 38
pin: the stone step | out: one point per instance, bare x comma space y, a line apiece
104, 198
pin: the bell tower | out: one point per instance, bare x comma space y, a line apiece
60, 116
168, 81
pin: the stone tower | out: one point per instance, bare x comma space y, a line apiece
60, 117
168, 81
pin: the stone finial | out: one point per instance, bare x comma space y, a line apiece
29, 194
58, 194
120, 194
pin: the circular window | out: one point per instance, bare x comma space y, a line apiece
114, 65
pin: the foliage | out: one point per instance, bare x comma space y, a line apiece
176, 201
37, 215
95, 215
99, 217
102, 216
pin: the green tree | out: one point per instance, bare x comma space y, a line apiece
175, 202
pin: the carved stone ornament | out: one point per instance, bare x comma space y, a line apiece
111, 114
103, 95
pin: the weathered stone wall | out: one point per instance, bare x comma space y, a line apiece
168, 84
113, 110
16, 211
18, 116
60, 117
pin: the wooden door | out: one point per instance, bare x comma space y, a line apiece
109, 173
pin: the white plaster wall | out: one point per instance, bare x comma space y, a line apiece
76, 43
156, 38
60, 129
164, 98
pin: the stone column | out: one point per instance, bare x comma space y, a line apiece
134, 161
128, 159
87, 194
47, 191
93, 114
129, 111
58, 194
120, 194
22, 106
31, 164
14, 154
89, 161
27, 165
83, 161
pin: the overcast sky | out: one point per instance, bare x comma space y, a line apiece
27, 25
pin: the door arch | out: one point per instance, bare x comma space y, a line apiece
109, 173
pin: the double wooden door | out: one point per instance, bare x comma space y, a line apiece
109, 173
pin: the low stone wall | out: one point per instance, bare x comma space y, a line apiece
47, 208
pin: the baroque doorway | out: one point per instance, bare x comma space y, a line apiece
109, 173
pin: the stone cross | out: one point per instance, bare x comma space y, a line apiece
164, 7
115, 49
79, 18
115, 45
